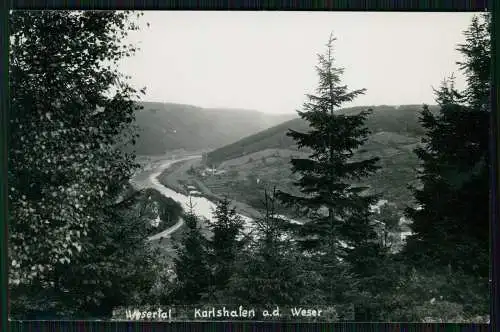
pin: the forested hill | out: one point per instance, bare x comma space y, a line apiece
168, 126
390, 125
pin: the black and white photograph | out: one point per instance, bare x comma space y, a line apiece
317, 165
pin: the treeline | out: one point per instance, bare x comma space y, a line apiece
78, 247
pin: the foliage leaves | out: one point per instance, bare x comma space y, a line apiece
70, 237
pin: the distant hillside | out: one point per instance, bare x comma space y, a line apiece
263, 160
167, 126
384, 121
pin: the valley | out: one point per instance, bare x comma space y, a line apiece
166, 127
246, 166
262, 161
243, 170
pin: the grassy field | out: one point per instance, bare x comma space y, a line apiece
247, 177
262, 160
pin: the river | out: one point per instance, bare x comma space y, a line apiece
202, 207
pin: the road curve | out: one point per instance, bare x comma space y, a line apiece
166, 233
149, 183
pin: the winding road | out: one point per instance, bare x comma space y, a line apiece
166, 233
151, 182
149, 178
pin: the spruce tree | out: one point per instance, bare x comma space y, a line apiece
451, 222
224, 245
476, 64
337, 210
191, 264
269, 270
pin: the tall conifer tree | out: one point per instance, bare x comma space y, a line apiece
451, 223
339, 236
269, 270
224, 246
327, 173
191, 264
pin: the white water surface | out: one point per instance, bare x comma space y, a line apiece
202, 207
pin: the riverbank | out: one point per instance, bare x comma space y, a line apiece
177, 176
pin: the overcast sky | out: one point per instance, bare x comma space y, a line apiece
265, 60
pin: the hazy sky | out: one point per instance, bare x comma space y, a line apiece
265, 60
